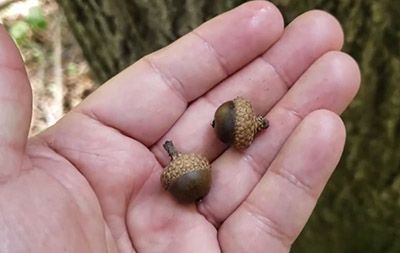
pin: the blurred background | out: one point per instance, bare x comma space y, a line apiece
70, 47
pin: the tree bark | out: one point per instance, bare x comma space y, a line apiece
115, 33
359, 210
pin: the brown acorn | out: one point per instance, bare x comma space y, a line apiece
235, 123
187, 177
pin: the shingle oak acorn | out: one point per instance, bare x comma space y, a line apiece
187, 177
235, 123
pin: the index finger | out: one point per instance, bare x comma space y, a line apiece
146, 99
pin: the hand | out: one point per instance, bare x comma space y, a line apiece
91, 182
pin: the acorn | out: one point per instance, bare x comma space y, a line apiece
187, 177
235, 123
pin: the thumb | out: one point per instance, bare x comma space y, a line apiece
15, 107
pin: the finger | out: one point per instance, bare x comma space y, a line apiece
147, 98
330, 83
15, 107
263, 82
277, 209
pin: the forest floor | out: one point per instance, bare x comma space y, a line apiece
58, 73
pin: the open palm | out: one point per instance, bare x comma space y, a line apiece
91, 182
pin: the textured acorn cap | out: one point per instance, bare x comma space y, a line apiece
247, 124
182, 164
187, 177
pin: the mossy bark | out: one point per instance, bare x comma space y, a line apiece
359, 210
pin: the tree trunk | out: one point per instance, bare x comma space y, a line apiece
359, 209
115, 33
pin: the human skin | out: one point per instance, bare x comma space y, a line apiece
91, 182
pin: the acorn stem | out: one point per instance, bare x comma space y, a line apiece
171, 150
262, 123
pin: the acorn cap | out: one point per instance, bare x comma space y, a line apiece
247, 124
187, 177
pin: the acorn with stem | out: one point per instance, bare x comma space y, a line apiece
235, 123
187, 177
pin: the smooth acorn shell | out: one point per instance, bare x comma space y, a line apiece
192, 186
224, 122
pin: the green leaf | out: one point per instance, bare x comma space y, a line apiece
72, 68
36, 18
19, 31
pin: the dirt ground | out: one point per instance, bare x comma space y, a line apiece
59, 75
